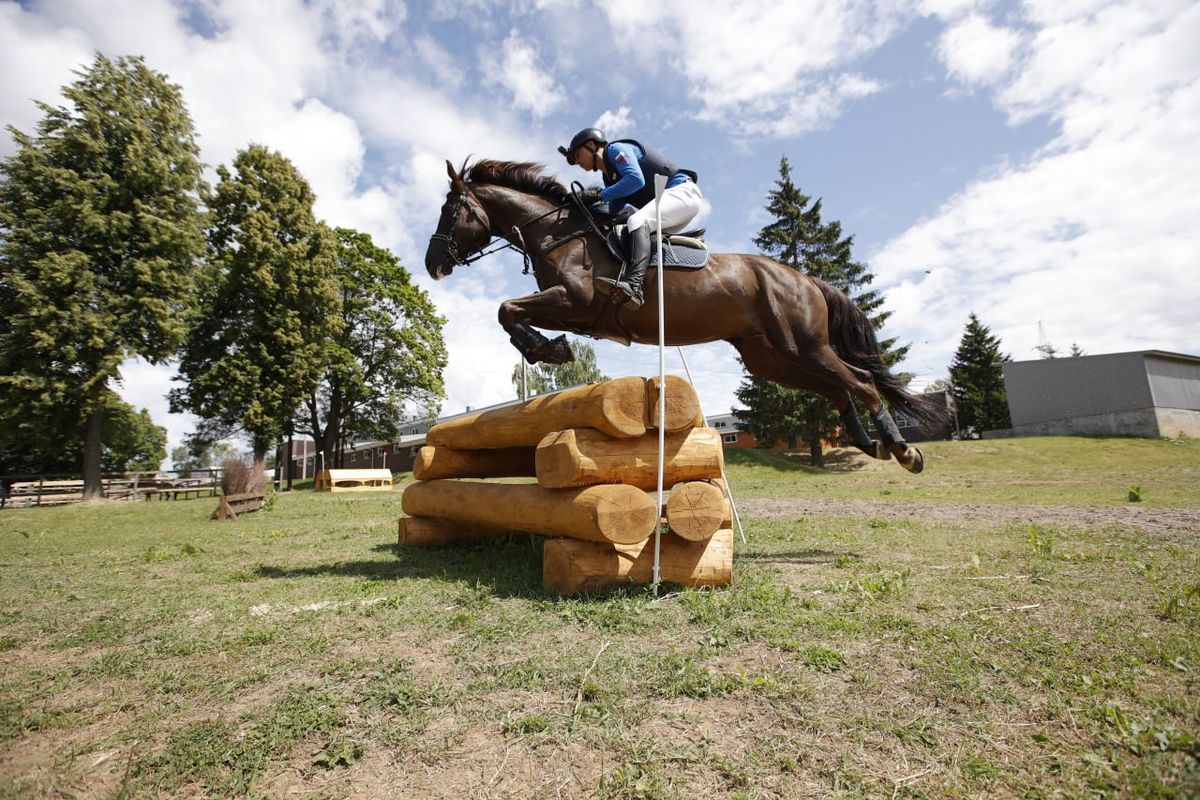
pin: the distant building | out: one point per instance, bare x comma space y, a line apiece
732, 434
397, 455
1149, 393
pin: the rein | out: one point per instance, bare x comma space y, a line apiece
522, 248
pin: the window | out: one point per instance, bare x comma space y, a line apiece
729, 438
412, 451
310, 461
719, 425
353, 457
901, 420
382, 451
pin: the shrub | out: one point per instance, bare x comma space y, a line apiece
239, 478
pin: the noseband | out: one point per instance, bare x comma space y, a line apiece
452, 242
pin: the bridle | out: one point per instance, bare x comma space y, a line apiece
451, 242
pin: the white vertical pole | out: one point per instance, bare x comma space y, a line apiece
660, 184
728, 489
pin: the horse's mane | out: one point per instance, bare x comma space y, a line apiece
524, 176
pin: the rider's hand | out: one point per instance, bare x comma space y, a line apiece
589, 195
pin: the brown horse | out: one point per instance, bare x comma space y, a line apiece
789, 328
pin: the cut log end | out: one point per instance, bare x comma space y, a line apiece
696, 510
683, 405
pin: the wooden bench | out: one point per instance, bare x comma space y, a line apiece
230, 506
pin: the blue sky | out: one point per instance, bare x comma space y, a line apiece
1029, 161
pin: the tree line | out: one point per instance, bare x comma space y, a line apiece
113, 246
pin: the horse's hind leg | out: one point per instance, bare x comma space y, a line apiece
762, 360
908, 457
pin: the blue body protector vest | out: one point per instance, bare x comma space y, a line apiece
652, 163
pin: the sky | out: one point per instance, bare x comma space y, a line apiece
1034, 162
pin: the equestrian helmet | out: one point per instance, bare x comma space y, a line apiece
584, 136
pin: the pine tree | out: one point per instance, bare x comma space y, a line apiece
978, 383
799, 238
269, 302
100, 235
542, 378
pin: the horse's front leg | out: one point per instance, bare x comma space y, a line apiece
555, 307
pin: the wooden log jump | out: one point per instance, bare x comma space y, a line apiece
433, 463
609, 513
581, 457
696, 510
594, 450
435, 531
229, 506
622, 408
571, 567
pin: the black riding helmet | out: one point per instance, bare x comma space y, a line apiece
585, 135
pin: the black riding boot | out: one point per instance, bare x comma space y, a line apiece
639, 257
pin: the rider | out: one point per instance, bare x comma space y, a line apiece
627, 168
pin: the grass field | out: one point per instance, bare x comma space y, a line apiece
297, 652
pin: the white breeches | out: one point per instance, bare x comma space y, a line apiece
680, 205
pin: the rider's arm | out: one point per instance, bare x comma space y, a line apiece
625, 157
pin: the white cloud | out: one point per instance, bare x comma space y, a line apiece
951, 9
316, 82
615, 124
1095, 235
440, 63
36, 58
515, 66
757, 66
977, 52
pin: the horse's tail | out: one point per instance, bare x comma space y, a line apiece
853, 339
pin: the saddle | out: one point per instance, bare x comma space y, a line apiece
685, 250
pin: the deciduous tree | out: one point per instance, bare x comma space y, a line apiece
386, 354
269, 302
130, 442
100, 235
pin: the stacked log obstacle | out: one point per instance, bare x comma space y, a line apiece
594, 452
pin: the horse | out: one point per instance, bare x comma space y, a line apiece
788, 327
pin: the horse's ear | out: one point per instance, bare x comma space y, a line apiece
456, 178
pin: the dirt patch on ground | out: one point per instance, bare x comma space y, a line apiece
1166, 520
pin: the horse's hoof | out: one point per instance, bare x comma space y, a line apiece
914, 462
558, 351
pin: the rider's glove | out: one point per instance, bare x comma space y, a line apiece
589, 195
